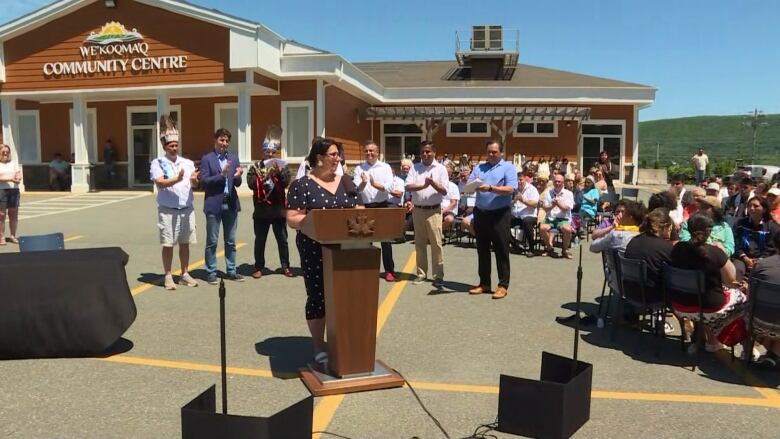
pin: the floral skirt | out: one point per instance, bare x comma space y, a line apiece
726, 322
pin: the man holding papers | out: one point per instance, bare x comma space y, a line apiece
495, 182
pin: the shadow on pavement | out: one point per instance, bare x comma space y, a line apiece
286, 354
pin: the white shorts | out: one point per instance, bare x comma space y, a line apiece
176, 226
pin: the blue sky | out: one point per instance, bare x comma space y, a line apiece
705, 57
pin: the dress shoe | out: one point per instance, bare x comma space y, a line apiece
479, 289
257, 274
287, 272
500, 293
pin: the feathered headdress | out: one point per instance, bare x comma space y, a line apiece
273, 137
168, 131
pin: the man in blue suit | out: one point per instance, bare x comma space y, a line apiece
220, 174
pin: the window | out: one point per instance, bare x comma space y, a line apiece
226, 116
468, 129
602, 129
28, 136
298, 127
537, 129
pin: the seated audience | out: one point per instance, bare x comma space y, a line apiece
722, 304
752, 236
524, 211
449, 203
590, 200
667, 200
721, 235
59, 173
618, 235
652, 245
768, 269
558, 204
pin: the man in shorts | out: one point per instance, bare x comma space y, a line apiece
558, 203
174, 177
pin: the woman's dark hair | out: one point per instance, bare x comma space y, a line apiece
655, 222
767, 214
700, 227
635, 210
664, 199
319, 146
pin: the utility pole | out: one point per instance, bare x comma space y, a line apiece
754, 121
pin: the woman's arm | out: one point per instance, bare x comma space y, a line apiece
295, 217
728, 273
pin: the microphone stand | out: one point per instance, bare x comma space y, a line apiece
222, 344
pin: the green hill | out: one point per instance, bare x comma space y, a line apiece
724, 138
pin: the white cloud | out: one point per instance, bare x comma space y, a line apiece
13, 9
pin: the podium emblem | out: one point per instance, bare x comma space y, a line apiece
360, 225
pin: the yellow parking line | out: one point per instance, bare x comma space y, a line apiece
126, 359
197, 264
73, 238
328, 405
326, 408
751, 380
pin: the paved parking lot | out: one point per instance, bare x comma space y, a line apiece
451, 346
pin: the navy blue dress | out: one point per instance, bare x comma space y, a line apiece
305, 193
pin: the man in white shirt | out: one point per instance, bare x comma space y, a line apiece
174, 177
449, 203
374, 181
558, 203
677, 187
524, 212
467, 201
427, 182
700, 162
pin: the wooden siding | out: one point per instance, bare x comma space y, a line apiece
205, 45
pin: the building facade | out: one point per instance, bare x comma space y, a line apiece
78, 73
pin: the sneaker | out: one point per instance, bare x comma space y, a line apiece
390, 277
235, 277
213, 279
418, 280
170, 285
187, 280
438, 283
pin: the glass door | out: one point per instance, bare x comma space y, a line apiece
144, 151
401, 140
394, 145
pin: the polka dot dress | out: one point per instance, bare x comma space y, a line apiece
305, 193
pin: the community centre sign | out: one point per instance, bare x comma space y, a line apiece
114, 50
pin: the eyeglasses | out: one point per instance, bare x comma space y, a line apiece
332, 154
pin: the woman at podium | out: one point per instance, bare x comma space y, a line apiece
321, 188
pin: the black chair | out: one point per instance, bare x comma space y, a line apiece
678, 281
602, 317
37, 243
764, 304
611, 199
628, 192
633, 276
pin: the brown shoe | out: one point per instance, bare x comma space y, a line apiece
257, 274
500, 293
287, 272
479, 289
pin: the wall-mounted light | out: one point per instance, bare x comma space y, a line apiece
568, 123
110, 3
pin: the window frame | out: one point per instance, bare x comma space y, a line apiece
469, 133
536, 132
285, 105
19, 146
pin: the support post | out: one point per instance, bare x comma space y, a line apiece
320, 128
80, 168
244, 133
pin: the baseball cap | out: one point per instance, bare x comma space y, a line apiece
713, 186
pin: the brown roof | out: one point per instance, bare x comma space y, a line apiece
434, 74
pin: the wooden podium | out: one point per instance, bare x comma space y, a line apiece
351, 275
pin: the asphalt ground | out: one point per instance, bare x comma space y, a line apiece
450, 345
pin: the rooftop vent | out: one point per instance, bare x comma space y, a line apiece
484, 55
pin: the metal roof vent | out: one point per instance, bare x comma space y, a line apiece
484, 55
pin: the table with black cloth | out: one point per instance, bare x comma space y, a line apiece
63, 303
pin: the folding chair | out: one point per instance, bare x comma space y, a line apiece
687, 282
633, 274
36, 243
764, 304
628, 192
610, 198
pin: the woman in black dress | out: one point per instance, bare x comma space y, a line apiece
321, 188
604, 164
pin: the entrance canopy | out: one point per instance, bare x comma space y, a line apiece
430, 119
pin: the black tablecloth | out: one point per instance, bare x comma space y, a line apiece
63, 303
